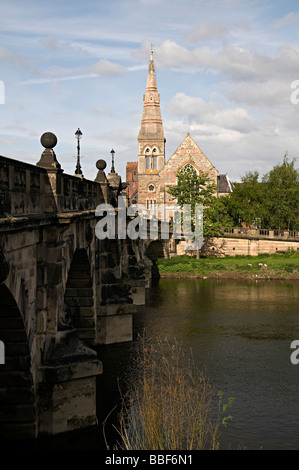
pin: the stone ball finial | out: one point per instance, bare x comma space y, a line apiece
48, 140
101, 164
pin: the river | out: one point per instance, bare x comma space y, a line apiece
240, 333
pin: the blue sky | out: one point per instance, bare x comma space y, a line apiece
224, 72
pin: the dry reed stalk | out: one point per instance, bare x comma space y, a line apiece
168, 405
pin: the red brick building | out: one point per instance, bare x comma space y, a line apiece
132, 179
150, 177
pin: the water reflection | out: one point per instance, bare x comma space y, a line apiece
240, 334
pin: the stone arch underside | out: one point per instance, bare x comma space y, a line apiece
17, 402
155, 250
78, 297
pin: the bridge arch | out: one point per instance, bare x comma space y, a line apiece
155, 250
79, 297
17, 408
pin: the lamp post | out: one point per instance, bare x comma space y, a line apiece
78, 135
112, 167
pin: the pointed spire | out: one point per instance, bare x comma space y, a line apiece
151, 121
151, 79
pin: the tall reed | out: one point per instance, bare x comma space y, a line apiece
169, 402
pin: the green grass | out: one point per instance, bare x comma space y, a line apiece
263, 265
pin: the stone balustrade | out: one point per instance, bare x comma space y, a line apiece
258, 233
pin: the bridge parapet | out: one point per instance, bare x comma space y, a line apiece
27, 189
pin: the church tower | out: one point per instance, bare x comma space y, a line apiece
151, 135
151, 139
150, 177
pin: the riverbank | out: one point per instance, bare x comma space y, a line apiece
277, 266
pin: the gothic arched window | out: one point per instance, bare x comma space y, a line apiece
151, 158
190, 176
147, 159
188, 169
154, 157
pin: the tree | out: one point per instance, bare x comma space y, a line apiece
282, 201
272, 202
246, 204
197, 188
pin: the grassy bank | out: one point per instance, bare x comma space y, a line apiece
264, 266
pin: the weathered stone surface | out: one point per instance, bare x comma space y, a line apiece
138, 293
4, 265
116, 309
50, 292
70, 371
115, 329
66, 347
67, 406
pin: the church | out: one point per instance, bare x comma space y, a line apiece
149, 178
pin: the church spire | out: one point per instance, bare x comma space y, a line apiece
151, 135
151, 121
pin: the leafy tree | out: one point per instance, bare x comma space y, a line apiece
246, 204
272, 202
282, 201
197, 188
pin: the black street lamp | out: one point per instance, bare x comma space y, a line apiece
78, 135
112, 168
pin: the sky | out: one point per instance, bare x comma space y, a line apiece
227, 72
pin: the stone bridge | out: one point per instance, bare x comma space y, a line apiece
62, 291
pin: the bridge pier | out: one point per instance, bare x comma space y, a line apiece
67, 385
115, 323
115, 310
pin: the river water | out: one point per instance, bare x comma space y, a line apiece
240, 333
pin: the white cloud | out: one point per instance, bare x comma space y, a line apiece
206, 31
288, 19
56, 45
195, 110
235, 62
61, 74
11, 58
105, 67
41, 81
260, 95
